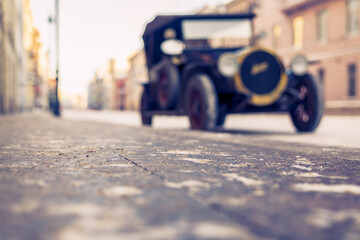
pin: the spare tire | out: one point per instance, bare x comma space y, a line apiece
261, 76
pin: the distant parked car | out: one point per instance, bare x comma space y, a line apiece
208, 66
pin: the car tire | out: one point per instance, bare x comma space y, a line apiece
145, 105
167, 85
307, 115
201, 103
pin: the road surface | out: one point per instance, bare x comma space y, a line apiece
77, 179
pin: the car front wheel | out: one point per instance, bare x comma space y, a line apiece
201, 103
307, 114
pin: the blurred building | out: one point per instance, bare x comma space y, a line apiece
35, 86
36, 73
93, 95
120, 93
73, 101
10, 54
326, 31
235, 6
36, 81
241, 6
136, 76
98, 93
109, 77
21, 56
103, 90
23, 61
28, 91
219, 9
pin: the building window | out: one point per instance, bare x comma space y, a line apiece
276, 36
322, 25
352, 17
258, 3
352, 80
298, 31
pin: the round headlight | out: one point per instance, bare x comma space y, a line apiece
228, 64
299, 65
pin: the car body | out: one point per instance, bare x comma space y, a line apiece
208, 66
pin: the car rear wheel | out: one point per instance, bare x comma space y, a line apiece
145, 106
201, 103
307, 114
168, 84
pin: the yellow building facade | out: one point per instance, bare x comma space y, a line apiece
23, 61
36, 83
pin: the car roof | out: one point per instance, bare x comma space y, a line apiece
162, 21
153, 35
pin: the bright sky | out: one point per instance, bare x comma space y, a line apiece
94, 31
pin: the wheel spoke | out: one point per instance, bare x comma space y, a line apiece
303, 108
302, 114
305, 117
303, 92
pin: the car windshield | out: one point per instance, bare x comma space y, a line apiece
225, 33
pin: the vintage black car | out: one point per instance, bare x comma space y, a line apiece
208, 66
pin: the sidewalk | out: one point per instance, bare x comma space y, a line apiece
334, 130
342, 107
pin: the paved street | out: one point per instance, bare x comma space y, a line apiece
102, 176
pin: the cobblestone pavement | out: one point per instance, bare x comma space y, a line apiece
63, 179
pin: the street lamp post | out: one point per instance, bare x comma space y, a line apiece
56, 109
